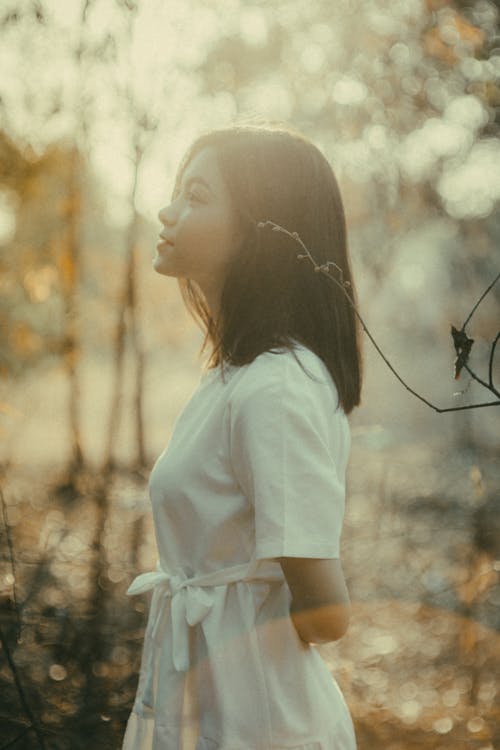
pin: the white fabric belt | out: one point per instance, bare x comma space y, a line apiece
191, 601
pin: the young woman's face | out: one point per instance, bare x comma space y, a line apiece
199, 226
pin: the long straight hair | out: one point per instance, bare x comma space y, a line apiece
269, 298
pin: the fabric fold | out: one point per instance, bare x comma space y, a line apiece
189, 601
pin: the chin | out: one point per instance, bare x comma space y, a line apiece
160, 266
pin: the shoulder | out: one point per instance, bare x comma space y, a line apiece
285, 377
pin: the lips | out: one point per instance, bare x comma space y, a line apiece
163, 242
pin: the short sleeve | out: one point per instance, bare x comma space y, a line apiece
289, 449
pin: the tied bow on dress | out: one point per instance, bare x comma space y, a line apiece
191, 600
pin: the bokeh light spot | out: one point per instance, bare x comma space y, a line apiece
444, 725
57, 672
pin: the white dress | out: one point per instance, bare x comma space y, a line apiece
254, 470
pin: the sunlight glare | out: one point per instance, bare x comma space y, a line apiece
446, 138
253, 26
313, 58
467, 111
472, 188
66, 14
472, 69
271, 97
410, 711
385, 24
7, 216
377, 137
444, 725
57, 672
357, 160
349, 91
412, 277
400, 54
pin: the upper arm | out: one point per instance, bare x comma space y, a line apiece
288, 449
320, 599
289, 446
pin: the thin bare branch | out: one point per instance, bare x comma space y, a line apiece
12, 563
481, 381
490, 366
480, 300
20, 690
344, 285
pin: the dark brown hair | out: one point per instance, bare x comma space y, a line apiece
269, 297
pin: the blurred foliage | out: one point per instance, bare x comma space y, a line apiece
417, 666
403, 97
404, 102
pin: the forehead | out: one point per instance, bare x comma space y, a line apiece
204, 164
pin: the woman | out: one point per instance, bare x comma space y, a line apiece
248, 496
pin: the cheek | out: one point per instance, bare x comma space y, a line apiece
208, 239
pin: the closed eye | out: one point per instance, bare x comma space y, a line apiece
192, 195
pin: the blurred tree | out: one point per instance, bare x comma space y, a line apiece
35, 270
142, 127
403, 99
64, 248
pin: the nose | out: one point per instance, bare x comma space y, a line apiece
167, 216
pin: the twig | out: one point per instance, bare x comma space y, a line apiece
492, 354
20, 691
12, 564
480, 300
489, 386
481, 381
343, 285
